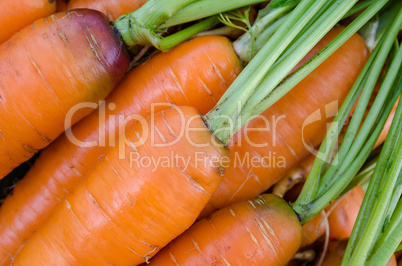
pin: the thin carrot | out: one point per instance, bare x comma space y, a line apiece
212, 66
15, 15
328, 83
262, 231
69, 59
112, 8
123, 213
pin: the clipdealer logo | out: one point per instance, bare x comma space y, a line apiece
113, 128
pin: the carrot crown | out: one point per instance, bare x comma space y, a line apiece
144, 26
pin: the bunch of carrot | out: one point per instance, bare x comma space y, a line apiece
92, 203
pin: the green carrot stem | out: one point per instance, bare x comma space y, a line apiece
358, 7
205, 8
243, 45
138, 27
383, 196
311, 209
267, 90
319, 166
364, 174
373, 189
263, 37
390, 239
371, 193
179, 37
338, 179
245, 96
247, 47
351, 144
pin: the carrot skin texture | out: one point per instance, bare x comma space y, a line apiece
70, 59
61, 166
330, 82
15, 15
262, 231
112, 8
123, 213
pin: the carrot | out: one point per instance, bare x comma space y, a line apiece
262, 231
335, 255
314, 229
15, 15
91, 248
344, 213
123, 212
69, 59
328, 83
112, 8
61, 166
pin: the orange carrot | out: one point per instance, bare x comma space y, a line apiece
262, 231
335, 255
314, 229
343, 213
15, 15
48, 68
288, 137
123, 212
211, 63
112, 8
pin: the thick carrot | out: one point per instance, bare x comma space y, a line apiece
123, 212
212, 66
262, 231
47, 69
15, 15
288, 138
335, 255
112, 8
